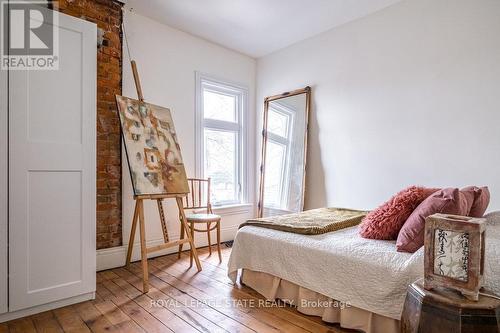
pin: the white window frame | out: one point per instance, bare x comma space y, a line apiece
204, 81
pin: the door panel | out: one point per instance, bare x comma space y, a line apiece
3, 190
43, 234
69, 110
52, 173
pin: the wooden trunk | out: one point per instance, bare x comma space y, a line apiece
443, 310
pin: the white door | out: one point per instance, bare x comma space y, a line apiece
3, 190
52, 153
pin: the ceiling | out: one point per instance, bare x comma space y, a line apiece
255, 27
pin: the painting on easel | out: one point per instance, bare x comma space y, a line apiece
152, 148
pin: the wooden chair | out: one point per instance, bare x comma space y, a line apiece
199, 198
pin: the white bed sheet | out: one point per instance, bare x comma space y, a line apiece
369, 274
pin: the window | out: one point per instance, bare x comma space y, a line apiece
220, 139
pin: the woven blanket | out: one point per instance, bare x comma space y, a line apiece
311, 222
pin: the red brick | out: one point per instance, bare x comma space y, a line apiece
108, 16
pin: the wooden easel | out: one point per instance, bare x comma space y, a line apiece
139, 216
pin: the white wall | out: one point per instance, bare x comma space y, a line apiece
167, 60
407, 95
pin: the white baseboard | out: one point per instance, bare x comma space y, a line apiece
45, 307
115, 256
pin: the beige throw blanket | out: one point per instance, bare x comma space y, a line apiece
311, 222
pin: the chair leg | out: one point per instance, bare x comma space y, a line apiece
209, 224
182, 237
191, 252
218, 241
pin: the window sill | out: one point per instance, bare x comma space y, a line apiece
230, 209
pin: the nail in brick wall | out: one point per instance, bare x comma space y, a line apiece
107, 15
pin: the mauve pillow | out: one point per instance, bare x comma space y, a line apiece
469, 193
445, 201
385, 221
481, 200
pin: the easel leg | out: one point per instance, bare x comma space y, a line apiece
132, 235
144, 254
184, 224
182, 237
162, 220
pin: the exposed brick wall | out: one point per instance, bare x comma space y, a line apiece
108, 17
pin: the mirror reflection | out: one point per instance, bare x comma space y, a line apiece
284, 153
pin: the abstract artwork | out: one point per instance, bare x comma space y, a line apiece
153, 151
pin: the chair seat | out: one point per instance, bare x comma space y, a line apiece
203, 217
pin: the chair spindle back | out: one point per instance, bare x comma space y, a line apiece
199, 194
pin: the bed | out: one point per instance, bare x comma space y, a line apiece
368, 277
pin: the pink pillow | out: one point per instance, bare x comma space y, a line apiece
385, 221
469, 193
481, 200
446, 201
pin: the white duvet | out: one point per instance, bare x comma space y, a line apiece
369, 274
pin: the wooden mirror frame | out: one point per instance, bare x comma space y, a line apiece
307, 92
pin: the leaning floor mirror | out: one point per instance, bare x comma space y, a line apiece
284, 150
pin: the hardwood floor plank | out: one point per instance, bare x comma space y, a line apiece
204, 306
184, 308
209, 270
22, 325
108, 275
178, 321
99, 277
145, 320
45, 322
4, 328
93, 318
117, 317
70, 321
103, 292
177, 324
223, 304
222, 290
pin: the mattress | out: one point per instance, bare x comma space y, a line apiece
368, 274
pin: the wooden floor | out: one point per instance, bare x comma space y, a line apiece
179, 300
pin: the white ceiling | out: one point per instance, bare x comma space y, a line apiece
255, 27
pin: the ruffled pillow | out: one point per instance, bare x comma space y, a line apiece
386, 221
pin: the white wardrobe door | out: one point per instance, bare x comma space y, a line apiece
3, 190
52, 173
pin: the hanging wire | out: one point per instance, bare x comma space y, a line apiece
132, 62
125, 34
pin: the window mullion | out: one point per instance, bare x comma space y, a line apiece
277, 138
221, 124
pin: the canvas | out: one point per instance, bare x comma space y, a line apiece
153, 151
